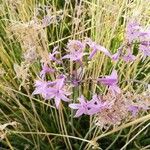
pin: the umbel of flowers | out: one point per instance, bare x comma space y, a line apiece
108, 109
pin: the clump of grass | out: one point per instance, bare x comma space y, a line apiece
29, 32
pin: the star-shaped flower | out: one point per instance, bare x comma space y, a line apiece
52, 56
58, 92
75, 49
45, 70
96, 104
144, 47
111, 81
132, 31
41, 87
95, 48
82, 107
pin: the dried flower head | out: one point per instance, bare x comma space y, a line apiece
115, 113
121, 107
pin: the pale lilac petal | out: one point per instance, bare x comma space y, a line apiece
57, 102
45, 70
115, 89
52, 55
60, 83
75, 45
74, 106
81, 99
129, 58
93, 111
115, 56
67, 93
79, 113
54, 50
36, 91
76, 49
145, 50
66, 56
114, 74
64, 98
92, 53
107, 81
46, 21
132, 31
96, 47
104, 50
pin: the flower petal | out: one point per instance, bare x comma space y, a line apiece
74, 106
79, 113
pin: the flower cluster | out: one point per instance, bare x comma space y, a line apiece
134, 35
111, 108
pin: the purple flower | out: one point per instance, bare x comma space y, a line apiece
74, 55
75, 45
95, 48
144, 35
58, 92
132, 31
117, 55
41, 87
111, 81
75, 49
52, 55
82, 107
129, 57
91, 107
96, 105
45, 70
52, 90
145, 48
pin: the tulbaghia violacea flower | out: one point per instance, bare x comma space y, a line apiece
75, 45
75, 49
41, 87
116, 56
58, 92
45, 70
82, 107
132, 31
91, 107
144, 47
144, 35
52, 56
74, 55
111, 81
129, 57
96, 105
95, 48
52, 90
